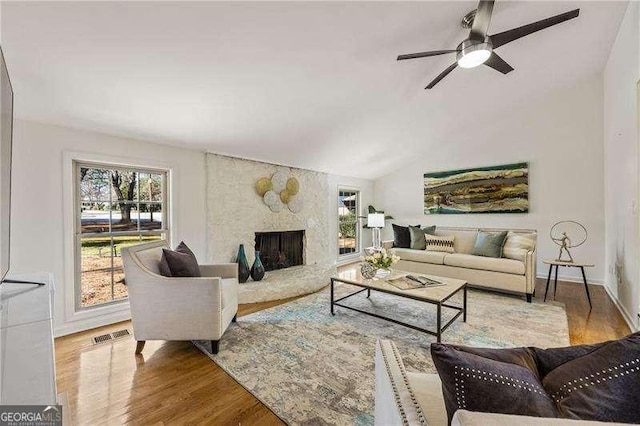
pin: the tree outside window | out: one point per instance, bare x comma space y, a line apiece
117, 207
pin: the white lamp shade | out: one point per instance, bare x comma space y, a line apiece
375, 220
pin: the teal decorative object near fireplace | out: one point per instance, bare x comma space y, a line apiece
257, 270
243, 265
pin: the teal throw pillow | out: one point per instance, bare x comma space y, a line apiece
489, 244
418, 241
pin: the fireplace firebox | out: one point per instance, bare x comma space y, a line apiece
279, 250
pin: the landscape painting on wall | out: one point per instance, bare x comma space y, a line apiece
498, 189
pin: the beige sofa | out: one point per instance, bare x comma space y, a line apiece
408, 399
503, 274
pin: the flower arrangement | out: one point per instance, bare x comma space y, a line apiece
382, 259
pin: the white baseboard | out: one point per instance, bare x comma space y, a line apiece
633, 326
89, 323
571, 279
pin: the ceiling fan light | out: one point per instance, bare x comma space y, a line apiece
474, 59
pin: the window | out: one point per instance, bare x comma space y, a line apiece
116, 207
348, 222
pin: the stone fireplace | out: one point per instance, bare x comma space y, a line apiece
280, 250
300, 242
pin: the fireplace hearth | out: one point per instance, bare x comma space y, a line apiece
280, 250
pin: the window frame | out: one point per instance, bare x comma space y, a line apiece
358, 248
78, 235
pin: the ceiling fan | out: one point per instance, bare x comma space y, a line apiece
479, 47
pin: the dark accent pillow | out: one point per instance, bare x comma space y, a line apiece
181, 261
401, 237
417, 234
489, 244
594, 382
165, 271
491, 380
598, 382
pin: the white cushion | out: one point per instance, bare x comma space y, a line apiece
508, 266
438, 243
464, 239
517, 245
428, 391
435, 257
475, 418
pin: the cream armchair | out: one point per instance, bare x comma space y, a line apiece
164, 308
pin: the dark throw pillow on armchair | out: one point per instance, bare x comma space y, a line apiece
180, 262
598, 382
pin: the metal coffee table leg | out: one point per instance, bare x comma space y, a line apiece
439, 328
332, 313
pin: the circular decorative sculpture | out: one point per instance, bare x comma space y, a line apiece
263, 185
279, 181
293, 186
560, 234
280, 190
296, 204
285, 196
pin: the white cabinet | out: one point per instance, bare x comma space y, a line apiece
27, 358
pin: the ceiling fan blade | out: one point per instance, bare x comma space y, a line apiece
482, 20
442, 75
425, 54
505, 37
498, 64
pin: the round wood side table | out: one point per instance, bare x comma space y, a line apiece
560, 263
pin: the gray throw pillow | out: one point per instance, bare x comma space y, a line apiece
418, 241
181, 261
489, 244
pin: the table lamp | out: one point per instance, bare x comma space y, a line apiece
375, 221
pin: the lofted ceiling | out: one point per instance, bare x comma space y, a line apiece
306, 84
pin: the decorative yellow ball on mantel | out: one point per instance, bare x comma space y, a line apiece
263, 186
285, 196
293, 186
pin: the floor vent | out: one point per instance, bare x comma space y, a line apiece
109, 337
101, 339
120, 333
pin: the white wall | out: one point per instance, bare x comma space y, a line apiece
621, 75
560, 137
38, 223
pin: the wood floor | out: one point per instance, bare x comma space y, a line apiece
174, 383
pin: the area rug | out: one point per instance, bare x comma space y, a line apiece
312, 368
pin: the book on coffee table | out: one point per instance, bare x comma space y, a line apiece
409, 282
